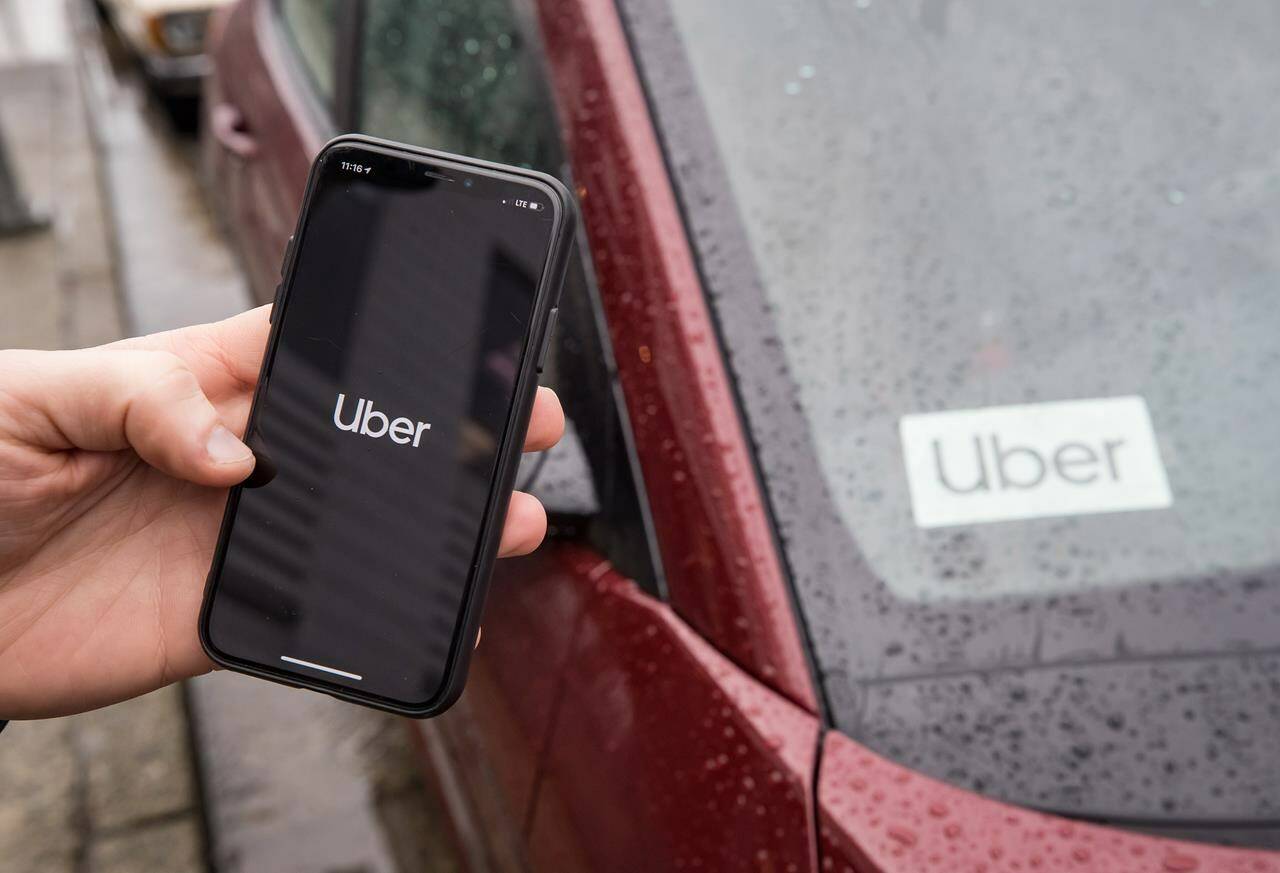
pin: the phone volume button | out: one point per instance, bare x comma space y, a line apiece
546, 337
288, 253
275, 304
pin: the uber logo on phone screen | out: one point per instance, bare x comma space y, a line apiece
1032, 460
370, 422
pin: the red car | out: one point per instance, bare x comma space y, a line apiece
919, 502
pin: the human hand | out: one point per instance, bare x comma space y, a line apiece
114, 465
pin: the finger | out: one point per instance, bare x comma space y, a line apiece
546, 424
115, 398
525, 527
227, 351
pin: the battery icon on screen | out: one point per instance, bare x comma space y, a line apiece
536, 207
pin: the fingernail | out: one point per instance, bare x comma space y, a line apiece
224, 448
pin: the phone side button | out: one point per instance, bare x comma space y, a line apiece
275, 304
288, 253
546, 337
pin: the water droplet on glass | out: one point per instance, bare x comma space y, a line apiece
1176, 196
792, 88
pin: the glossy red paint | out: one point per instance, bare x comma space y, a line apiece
722, 567
492, 739
879, 817
528, 619
666, 756
259, 176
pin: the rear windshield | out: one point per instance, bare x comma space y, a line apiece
999, 284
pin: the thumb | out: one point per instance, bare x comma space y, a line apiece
112, 399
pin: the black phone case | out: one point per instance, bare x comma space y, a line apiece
547, 297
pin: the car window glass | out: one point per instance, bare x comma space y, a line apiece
456, 75
311, 25
997, 286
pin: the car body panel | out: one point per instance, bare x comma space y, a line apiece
254, 89
665, 755
492, 739
722, 567
880, 816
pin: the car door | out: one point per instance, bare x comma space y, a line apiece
271, 100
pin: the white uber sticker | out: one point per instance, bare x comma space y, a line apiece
1033, 460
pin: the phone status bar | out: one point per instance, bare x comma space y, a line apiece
521, 203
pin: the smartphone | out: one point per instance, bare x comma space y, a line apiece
417, 300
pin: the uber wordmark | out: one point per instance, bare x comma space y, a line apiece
367, 421
1032, 460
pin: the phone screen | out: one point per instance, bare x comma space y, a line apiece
383, 410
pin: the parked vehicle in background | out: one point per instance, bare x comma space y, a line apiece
167, 38
757, 639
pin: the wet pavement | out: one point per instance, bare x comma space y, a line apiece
59, 289
174, 267
225, 773
112, 790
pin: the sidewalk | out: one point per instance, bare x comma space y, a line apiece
111, 791
58, 289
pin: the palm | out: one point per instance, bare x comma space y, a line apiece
101, 578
